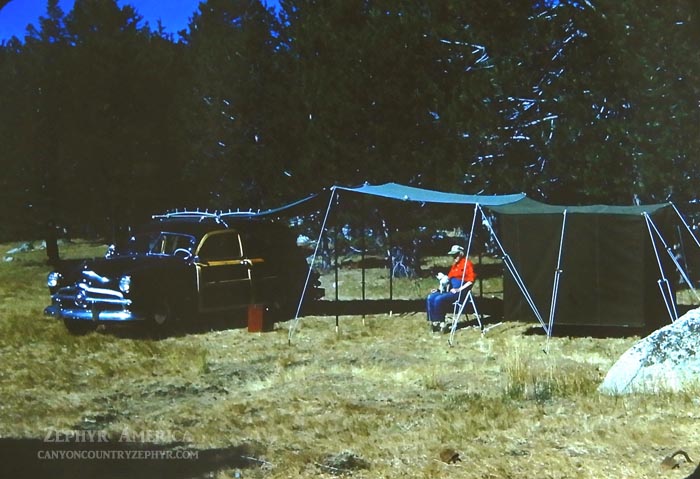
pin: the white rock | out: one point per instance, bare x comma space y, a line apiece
666, 360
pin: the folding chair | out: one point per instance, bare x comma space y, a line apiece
459, 310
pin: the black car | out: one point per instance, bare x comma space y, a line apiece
182, 266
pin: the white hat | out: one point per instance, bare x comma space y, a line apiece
456, 249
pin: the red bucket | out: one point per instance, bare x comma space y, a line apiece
256, 319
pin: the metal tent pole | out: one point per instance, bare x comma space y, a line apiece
514, 272
363, 245
311, 266
391, 272
687, 226
663, 283
555, 287
335, 262
466, 255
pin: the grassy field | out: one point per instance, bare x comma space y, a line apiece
382, 398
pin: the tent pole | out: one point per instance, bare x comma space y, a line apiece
481, 281
363, 245
680, 268
514, 272
555, 287
662, 282
335, 263
471, 231
311, 266
459, 304
466, 254
692, 235
687, 226
391, 272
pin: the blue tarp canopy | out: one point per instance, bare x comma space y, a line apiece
301, 206
388, 190
410, 193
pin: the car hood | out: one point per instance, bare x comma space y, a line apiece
104, 269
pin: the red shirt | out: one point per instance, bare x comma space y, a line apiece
457, 270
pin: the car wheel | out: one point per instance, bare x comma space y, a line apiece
162, 317
78, 328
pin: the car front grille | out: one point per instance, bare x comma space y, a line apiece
84, 296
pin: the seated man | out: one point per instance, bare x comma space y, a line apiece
461, 276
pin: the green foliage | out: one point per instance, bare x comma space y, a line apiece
104, 121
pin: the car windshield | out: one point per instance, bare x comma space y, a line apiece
159, 243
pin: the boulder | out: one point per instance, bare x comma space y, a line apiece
666, 360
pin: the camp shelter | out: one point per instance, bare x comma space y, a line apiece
403, 193
601, 266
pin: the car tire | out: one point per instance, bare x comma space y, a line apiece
78, 328
162, 318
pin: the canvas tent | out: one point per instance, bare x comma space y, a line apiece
597, 264
586, 265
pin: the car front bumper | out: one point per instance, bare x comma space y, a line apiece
84, 303
94, 315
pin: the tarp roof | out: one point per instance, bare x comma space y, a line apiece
512, 204
410, 193
528, 206
301, 206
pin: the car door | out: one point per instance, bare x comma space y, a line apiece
223, 274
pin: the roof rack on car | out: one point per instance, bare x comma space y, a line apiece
216, 215
238, 212
188, 214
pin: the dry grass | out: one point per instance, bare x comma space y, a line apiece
378, 284
380, 398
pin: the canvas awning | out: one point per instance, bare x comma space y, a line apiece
404, 193
409, 193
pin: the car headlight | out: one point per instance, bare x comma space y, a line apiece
125, 284
53, 279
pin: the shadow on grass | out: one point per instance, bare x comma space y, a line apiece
599, 332
182, 328
34, 458
490, 308
603, 331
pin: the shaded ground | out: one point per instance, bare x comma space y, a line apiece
491, 307
36, 458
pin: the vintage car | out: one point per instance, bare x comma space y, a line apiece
184, 266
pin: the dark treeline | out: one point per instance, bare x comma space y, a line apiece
105, 120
